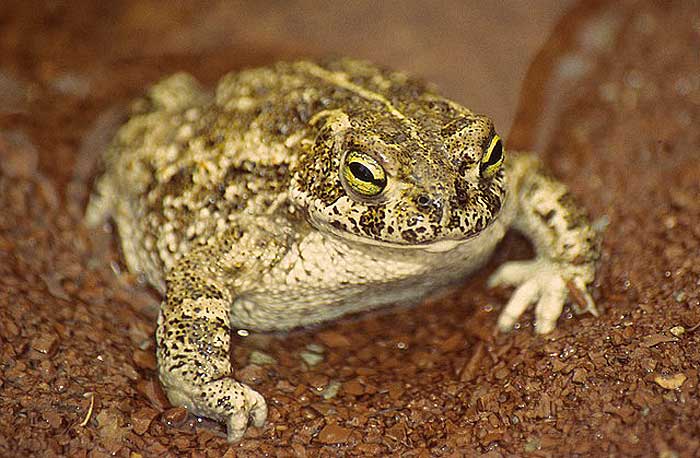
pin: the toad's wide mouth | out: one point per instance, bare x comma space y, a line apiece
438, 245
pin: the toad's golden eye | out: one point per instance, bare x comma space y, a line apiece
363, 174
492, 159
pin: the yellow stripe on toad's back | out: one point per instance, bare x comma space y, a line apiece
339, 79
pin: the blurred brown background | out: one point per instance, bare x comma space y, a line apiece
476, 51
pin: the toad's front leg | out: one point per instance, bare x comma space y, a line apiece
194, 365
194, 327
566, 246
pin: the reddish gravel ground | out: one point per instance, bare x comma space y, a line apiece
612, 101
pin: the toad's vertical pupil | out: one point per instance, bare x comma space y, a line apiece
361, 172
496, 152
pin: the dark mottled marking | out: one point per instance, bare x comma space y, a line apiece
410, 236
372, 221
457, 125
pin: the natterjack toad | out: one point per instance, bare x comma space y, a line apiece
304, 191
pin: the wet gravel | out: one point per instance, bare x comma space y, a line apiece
612, 101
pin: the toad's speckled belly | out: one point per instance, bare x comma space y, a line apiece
323, 277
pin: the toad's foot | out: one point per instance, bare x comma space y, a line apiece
241, 403
225, 400
545, 283
191, 383
221, 398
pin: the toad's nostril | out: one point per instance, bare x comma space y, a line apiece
424, 201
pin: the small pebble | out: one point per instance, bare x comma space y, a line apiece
331, 390
316, 348
175, 416
678, 331
334, 434
670, 382
311, 358
142, 419
261, 359
333, 339
353, 388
